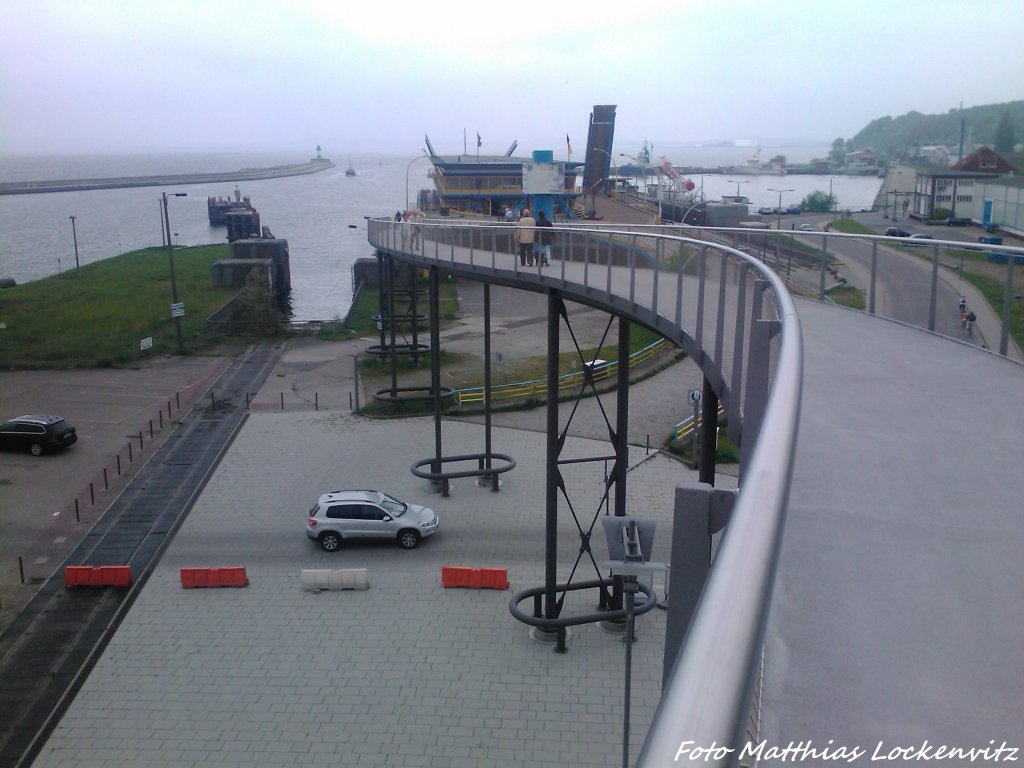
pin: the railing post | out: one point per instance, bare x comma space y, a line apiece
874, 274
935, 291
824, 264
1004, 333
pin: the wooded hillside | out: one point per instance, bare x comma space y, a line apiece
894, 136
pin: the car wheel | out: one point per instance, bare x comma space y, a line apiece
408, 539
37, 449
330, 541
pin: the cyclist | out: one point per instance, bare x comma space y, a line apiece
971, 318
963, 303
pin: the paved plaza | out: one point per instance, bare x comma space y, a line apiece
405, 673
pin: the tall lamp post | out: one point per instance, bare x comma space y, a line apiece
74, 234
778, 224
175, 311
615, 168
831, 202
644, 167
731, 181
407, 175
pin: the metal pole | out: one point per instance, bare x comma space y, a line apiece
1004, 333
935, 289
551, 473
74, 234
874, 272
170, 259
435, 369
708, 434
487, 382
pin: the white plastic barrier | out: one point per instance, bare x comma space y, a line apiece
349, 578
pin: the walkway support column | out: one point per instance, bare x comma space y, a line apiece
552, 472
708, 434
435, 371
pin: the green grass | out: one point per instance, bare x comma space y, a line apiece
97, 316
993, 291
848, 296
851, 227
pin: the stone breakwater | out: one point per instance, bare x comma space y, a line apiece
246, 174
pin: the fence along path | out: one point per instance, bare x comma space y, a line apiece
738, 323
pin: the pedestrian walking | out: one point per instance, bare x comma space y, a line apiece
525, 234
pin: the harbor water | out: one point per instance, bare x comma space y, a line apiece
320, 215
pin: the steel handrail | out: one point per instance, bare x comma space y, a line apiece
707, 695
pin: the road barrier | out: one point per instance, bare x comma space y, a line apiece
474, 578
97, 575
234, 576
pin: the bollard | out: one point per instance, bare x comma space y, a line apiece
282, 401
213, 403
21, 569
161, 415
141, 446
119, 465
648, 442
76, 510
130, 459
350, 401
177, 400
316, 401
150, 429
92, 495
168, 410
247, 401
106, 483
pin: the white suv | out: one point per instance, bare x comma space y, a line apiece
343, 515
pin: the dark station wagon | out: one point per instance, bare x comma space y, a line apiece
37, 433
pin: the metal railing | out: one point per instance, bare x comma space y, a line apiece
735, 318
537, 388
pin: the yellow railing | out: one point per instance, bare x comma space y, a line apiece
685, 427
524, 390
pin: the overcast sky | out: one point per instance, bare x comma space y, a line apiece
167, 75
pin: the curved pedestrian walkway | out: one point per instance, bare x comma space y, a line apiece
896, 614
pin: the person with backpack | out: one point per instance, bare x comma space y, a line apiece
544, 236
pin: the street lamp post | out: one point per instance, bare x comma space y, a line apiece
74, 234
778, 225
170, 258
615, 167
831, 203
731, 181
407, 175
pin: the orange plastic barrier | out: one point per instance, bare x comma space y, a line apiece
97, 575
234, 576
474, 578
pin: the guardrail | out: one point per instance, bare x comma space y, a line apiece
735, 318
538, 388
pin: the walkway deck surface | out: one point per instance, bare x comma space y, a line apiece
896, 617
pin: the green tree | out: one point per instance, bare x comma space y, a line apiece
818, 202
838, 151
1004, 138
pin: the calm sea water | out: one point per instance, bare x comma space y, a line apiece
313, 213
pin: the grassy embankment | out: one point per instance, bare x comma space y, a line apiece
987, 276
97, 316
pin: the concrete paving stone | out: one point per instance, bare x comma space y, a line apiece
208, 642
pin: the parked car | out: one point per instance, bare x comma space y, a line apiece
343, 515
794, 209
37, 433
921, 236
765, 210
806, 227
896, 232
958, 221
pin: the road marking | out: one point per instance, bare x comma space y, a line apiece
41, 560
60, 539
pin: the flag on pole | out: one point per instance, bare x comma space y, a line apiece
478, 142
568, 144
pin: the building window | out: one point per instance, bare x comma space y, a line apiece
963, 198
966, 183
943, 198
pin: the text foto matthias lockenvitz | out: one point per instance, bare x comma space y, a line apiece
803, 751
